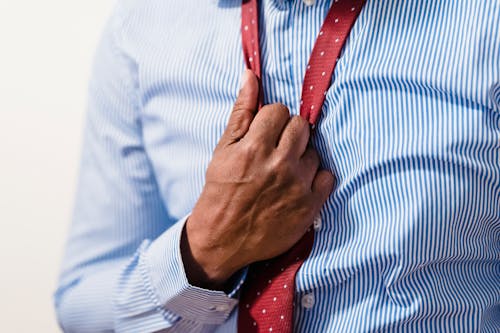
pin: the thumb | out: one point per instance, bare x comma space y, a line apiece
244, 108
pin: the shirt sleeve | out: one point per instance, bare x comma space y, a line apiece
122, 269
155, 294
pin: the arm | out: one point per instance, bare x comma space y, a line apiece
123, 241
128, 263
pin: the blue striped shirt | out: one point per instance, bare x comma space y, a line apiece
409, 239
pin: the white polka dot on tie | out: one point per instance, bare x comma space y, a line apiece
321, 33
336, 20
311, 87
301, 102
322, 53
323, 74
254, 323
253, 21
324, 93
284, 286
247, 306
282, 317
312, 108
246, 27
250, 59
283, 268
274, 299
263, 310
258, 293
337, 40
352, 9
308, 67
254, 53
270, 329
269, 281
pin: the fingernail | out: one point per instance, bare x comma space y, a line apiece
244, 78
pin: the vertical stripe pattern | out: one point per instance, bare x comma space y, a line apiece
410, 239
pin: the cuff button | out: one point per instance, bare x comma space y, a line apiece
222, 308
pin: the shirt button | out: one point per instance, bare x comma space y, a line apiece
317, 223
309, 2
308, 301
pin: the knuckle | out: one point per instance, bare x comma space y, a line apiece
236, 126
250, 148
297, 125
241, 113
262, 125
272, 117
282, 109
302, 186
239, 104
282, 166
265, 123
300, 124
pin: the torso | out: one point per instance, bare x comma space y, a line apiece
410, 126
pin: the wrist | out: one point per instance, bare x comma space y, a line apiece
204, 265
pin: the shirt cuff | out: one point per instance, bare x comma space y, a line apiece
162, 262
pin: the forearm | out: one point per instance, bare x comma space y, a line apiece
109, 281
147, 292
154, 292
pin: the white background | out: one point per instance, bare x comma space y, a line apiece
46, 49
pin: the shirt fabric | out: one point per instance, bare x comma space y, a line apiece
409, 241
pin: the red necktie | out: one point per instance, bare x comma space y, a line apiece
266, 300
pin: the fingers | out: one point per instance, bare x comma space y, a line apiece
295, 137
268, 124
310, 164
322, 186
244, 109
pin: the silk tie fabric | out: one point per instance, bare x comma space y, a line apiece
267, 299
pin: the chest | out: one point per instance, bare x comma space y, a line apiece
415, 81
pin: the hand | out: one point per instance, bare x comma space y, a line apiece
262, 191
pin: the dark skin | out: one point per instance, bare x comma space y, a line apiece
263, 189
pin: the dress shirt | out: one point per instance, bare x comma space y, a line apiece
409, 241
